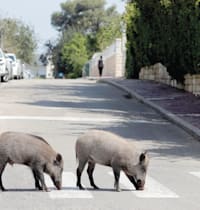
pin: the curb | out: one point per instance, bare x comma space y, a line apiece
192, 130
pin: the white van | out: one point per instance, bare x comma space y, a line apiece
17, 69
4, 74
9, 67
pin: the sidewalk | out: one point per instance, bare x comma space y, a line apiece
178, 106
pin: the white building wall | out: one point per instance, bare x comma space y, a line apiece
49, 68
114, 60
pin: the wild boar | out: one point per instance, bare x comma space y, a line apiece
106, 148
32, 151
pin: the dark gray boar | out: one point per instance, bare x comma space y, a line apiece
108, 149
32, 151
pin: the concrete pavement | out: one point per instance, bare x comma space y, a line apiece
178, 106
60, 110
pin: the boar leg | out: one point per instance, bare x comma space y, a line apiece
116, 175
90, 171
37, 184
132, 180
79, 171
40, 176
2, 167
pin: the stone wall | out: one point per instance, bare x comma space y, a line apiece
159, 73
192, 84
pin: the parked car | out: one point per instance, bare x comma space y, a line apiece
28, 74
4, 74
9, 67
17, 67
60, 75
20, 69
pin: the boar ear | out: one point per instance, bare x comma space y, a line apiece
58, 159
142, 157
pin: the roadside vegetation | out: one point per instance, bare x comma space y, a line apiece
85, 27
18, 38
165, 31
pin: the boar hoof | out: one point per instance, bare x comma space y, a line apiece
45, 189
38, 188
3, 189
81, 188
78, 184
118, 190
96, 188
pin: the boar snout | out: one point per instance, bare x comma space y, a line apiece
58, 185
140, 185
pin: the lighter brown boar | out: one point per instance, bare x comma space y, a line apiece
106, 148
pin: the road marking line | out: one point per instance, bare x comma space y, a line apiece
153, 189
69, 188
81, 119
52, 118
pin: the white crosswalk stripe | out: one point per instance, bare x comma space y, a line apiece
195, 173
153, 189
81, 119
69, 189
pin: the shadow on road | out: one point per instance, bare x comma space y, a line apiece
158, 136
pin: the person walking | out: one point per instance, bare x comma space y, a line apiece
100, 66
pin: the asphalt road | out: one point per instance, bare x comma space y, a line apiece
61, 110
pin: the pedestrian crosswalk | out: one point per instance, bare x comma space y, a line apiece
153, 188
69, 188
195, 173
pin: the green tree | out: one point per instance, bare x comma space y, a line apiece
185, 39
111, 27
18, 38
133, 55
74, 54
164, 31
99, 25
84, 15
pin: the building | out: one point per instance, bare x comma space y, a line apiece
114, 57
